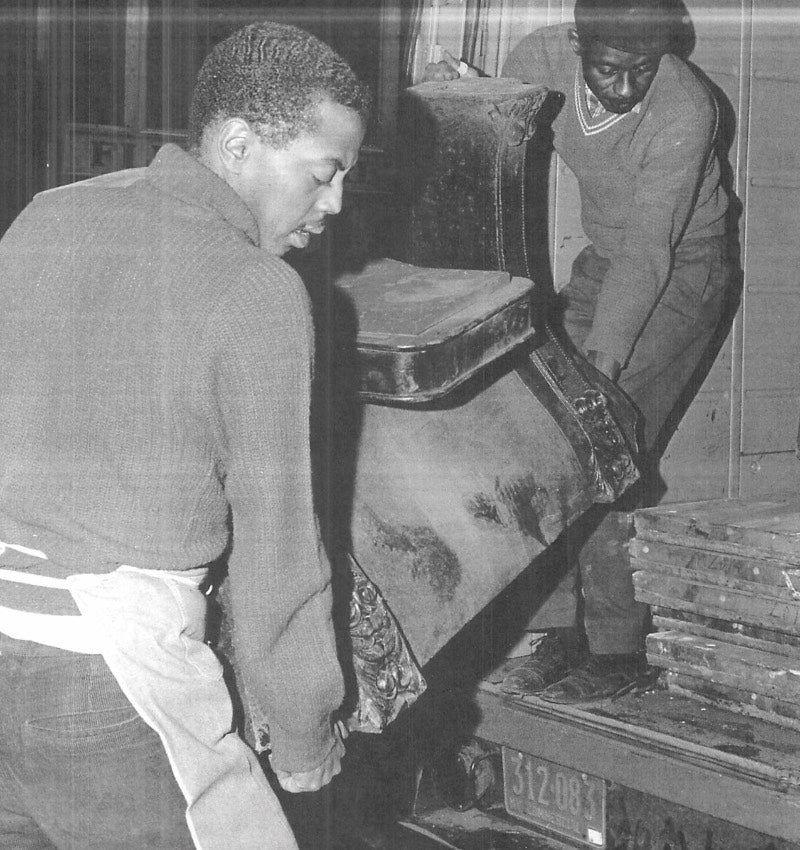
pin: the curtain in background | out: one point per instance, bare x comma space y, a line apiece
480, 32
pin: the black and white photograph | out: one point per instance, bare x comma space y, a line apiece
399, 425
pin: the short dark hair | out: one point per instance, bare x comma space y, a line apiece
633, 26
273, 76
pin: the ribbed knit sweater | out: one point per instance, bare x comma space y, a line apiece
648, 179
155, 388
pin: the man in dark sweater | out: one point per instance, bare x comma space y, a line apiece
155, 392
638, 131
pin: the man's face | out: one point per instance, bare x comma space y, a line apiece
618, 80
292, 190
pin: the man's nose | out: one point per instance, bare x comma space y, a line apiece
330, 201
623, 85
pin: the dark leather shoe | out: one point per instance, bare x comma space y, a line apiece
599, 677
554, 656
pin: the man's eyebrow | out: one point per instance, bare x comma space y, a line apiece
332, 160
337, 163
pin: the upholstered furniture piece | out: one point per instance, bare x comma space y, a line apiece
454, 493
471, 155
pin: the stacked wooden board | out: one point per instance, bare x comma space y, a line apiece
723, 582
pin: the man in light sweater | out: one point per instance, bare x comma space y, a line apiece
154, 415
638, 130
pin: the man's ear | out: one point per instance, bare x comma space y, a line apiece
574, 41
235, 139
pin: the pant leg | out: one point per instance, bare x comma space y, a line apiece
18, 830
151, 627
673, 353
669, 352
85, 771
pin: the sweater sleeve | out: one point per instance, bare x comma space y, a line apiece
671, 172
279, 578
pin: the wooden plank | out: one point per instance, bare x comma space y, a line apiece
766, 528
767, 574
719, 580
690, 517
739, 634
713, 601
739, 701
759, 795
743, 668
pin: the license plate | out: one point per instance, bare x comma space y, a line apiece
560, 799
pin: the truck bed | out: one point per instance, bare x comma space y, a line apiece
680, 774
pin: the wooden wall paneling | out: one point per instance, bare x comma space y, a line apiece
568, 238
695, 463
772, 343
770, 423
721, 56
769, 473
701, 460
776, 119
773, 212
771, 348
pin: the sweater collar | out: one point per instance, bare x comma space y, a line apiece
594, 122
182, 175
596, 108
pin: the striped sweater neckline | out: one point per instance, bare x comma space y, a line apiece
591, 126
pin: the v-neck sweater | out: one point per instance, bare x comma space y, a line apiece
155, 392
648, 180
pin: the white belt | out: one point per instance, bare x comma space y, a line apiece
63, 631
